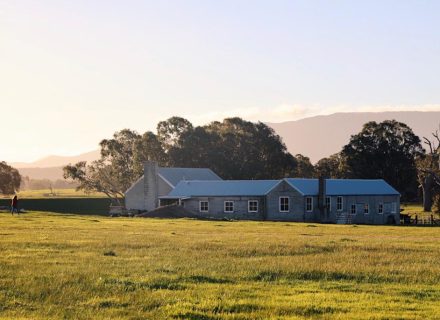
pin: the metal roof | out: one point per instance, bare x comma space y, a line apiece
222, 188
342, 187
174, 175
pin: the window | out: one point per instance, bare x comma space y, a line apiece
229, 206
380, 208
393, 207
203, 206
309, 204
353, 209
366, 208
253, 206
339, 206
284, 204
328, 203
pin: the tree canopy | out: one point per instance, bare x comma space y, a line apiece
10, 179
234, 149
386, 150
239, 149
428, 171
331, 167
120, 164
304, 168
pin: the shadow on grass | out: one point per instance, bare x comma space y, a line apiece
205, 279
316, 275
156, 284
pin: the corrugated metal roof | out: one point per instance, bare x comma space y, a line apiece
175, 175
341, 187
222, 188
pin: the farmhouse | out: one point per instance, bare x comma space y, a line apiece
291, 199
156, 182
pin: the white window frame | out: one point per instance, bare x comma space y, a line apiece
353, 206
224, 206
366, 208
200, 205
329, 204
311, 204
380, 208
249, 205
393, 207
288, 203
342, 203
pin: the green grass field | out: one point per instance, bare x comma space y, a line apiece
82, 267
58, 193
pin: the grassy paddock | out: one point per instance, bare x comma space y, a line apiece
57, 193
416, 209
82, 267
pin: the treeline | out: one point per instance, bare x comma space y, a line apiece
239, 149
40, 184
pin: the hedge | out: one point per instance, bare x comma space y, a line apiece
85, 206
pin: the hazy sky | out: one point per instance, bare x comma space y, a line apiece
73, 72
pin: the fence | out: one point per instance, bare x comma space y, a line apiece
423, 220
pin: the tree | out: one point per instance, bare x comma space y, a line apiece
170, 131
428, 171
386, 150
331, 167
304, 168
97, 176
121, 164
10, 179
235, 149
118, 153
148, 148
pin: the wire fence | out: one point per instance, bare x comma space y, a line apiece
419, 220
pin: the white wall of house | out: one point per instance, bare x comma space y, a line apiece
134, 197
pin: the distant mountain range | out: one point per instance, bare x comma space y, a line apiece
58, 161
321, 136
51, 167
315, 137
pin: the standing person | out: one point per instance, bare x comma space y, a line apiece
14, 205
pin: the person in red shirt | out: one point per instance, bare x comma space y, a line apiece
14, 205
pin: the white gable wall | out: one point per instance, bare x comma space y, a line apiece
134, 197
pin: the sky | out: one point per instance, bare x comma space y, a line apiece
74, 72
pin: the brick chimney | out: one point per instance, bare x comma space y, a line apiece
151, 197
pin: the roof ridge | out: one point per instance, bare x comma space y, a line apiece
185, 168
220, 181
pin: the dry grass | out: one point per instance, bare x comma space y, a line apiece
58, 193
414, 209
77, 267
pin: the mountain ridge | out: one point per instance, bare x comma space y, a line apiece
58, 161
323, 135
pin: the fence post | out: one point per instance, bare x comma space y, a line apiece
432, 219
417, 219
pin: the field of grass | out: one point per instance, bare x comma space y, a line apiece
82, 267
57, 193
414, 209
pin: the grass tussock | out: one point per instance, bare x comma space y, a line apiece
55, 266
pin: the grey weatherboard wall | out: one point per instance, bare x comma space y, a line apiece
268, 208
